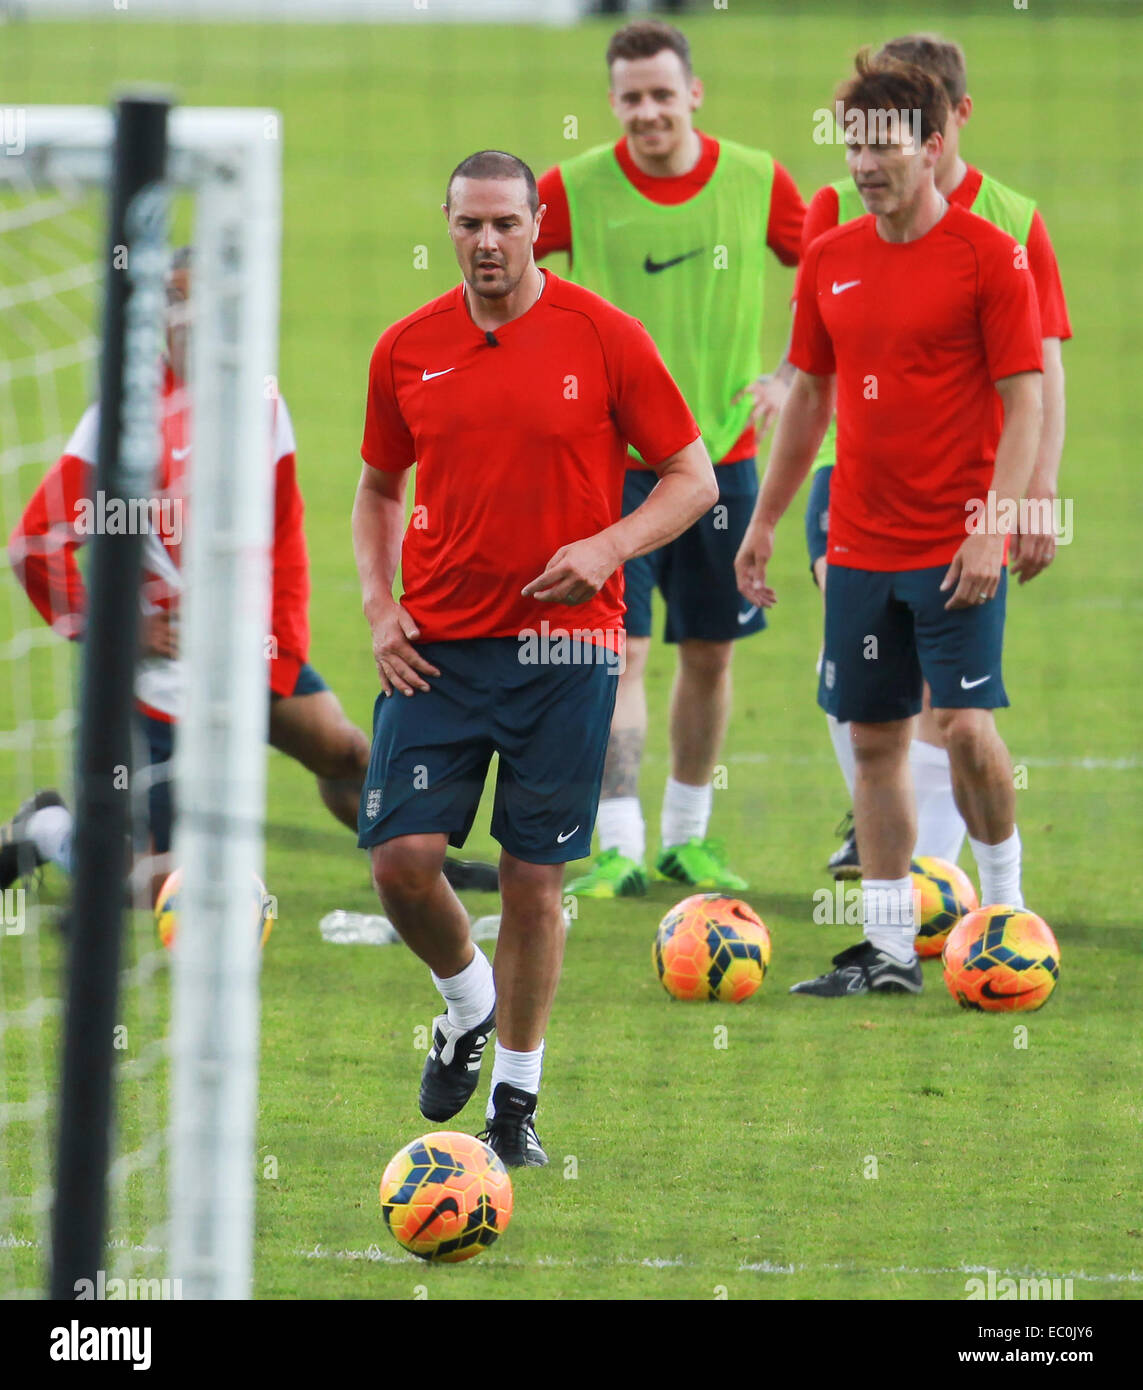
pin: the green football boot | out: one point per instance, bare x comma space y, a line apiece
612, 876
699, 864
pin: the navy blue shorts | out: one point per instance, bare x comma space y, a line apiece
817, 515
887, 633
695, 572
159, 738
548, 722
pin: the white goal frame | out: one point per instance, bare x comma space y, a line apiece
230, 161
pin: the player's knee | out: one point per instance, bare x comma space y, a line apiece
406, 869
635, 654
523, 884
967, 734
876, 745
709, 661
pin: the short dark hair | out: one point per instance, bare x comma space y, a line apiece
495, 164
941, 58
646, 37
884, 84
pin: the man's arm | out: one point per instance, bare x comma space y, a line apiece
378, 529
685, 491
975, 568
801, 428
1034, 552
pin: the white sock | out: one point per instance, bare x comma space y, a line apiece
519, 1069
940, 828
843, 750
50, 831
888, 912
470, 994
686, 812
999, 869
620, 825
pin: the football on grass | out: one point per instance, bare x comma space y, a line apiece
1001, 960
167, 910
446, 1197
711, 947
942, 894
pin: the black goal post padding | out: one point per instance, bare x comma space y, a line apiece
129, 390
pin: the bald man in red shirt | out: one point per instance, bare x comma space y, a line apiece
516, 394
924, 319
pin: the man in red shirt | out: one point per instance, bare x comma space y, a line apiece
516, 395
678, 228
925, 317
940, 828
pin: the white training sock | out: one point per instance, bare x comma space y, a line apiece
50, 831
686, 812
940, 828
843, 751
620, 825
999, 869
471, 994
889, 918
519, 1069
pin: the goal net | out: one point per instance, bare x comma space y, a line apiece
158, 1184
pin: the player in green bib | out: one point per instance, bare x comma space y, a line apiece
940, 828
676, 228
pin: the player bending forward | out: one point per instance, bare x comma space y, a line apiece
516, 394
925, 316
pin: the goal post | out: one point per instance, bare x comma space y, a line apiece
228, 163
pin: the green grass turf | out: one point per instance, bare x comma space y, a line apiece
703, 1168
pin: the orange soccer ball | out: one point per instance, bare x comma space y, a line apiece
710, 946
1001, 960
446, 1197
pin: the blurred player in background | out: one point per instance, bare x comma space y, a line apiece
516, 395
925, 318
306, 720
940, 827
673, 226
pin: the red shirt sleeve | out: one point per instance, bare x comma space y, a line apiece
1049, 289
821, 215
555, 229
387, 444
649, 407
787, 214
811, 347
289, 621
1009, 316
42, 547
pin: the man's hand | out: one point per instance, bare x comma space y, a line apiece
576, 572
158, 634
399, 664
750, 565
975, 571
1034, 550
769, 393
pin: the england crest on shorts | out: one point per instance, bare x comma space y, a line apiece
373, 803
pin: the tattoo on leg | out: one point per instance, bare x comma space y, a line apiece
621, 768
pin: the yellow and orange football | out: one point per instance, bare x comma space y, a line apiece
1001, 960
710, 946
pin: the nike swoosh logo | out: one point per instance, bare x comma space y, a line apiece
561, 838
444, 1205
653, 267
987, 992
180, 453
849, 284
428, 376
971, 685
744, 618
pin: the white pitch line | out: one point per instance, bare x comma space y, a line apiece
374, 1254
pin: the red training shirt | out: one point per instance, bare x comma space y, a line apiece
521, 448
821, 216
918, 333
783, 232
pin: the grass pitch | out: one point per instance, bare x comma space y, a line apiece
784, 1148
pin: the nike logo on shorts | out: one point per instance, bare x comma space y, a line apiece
744, 618
971, 685
561, 838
